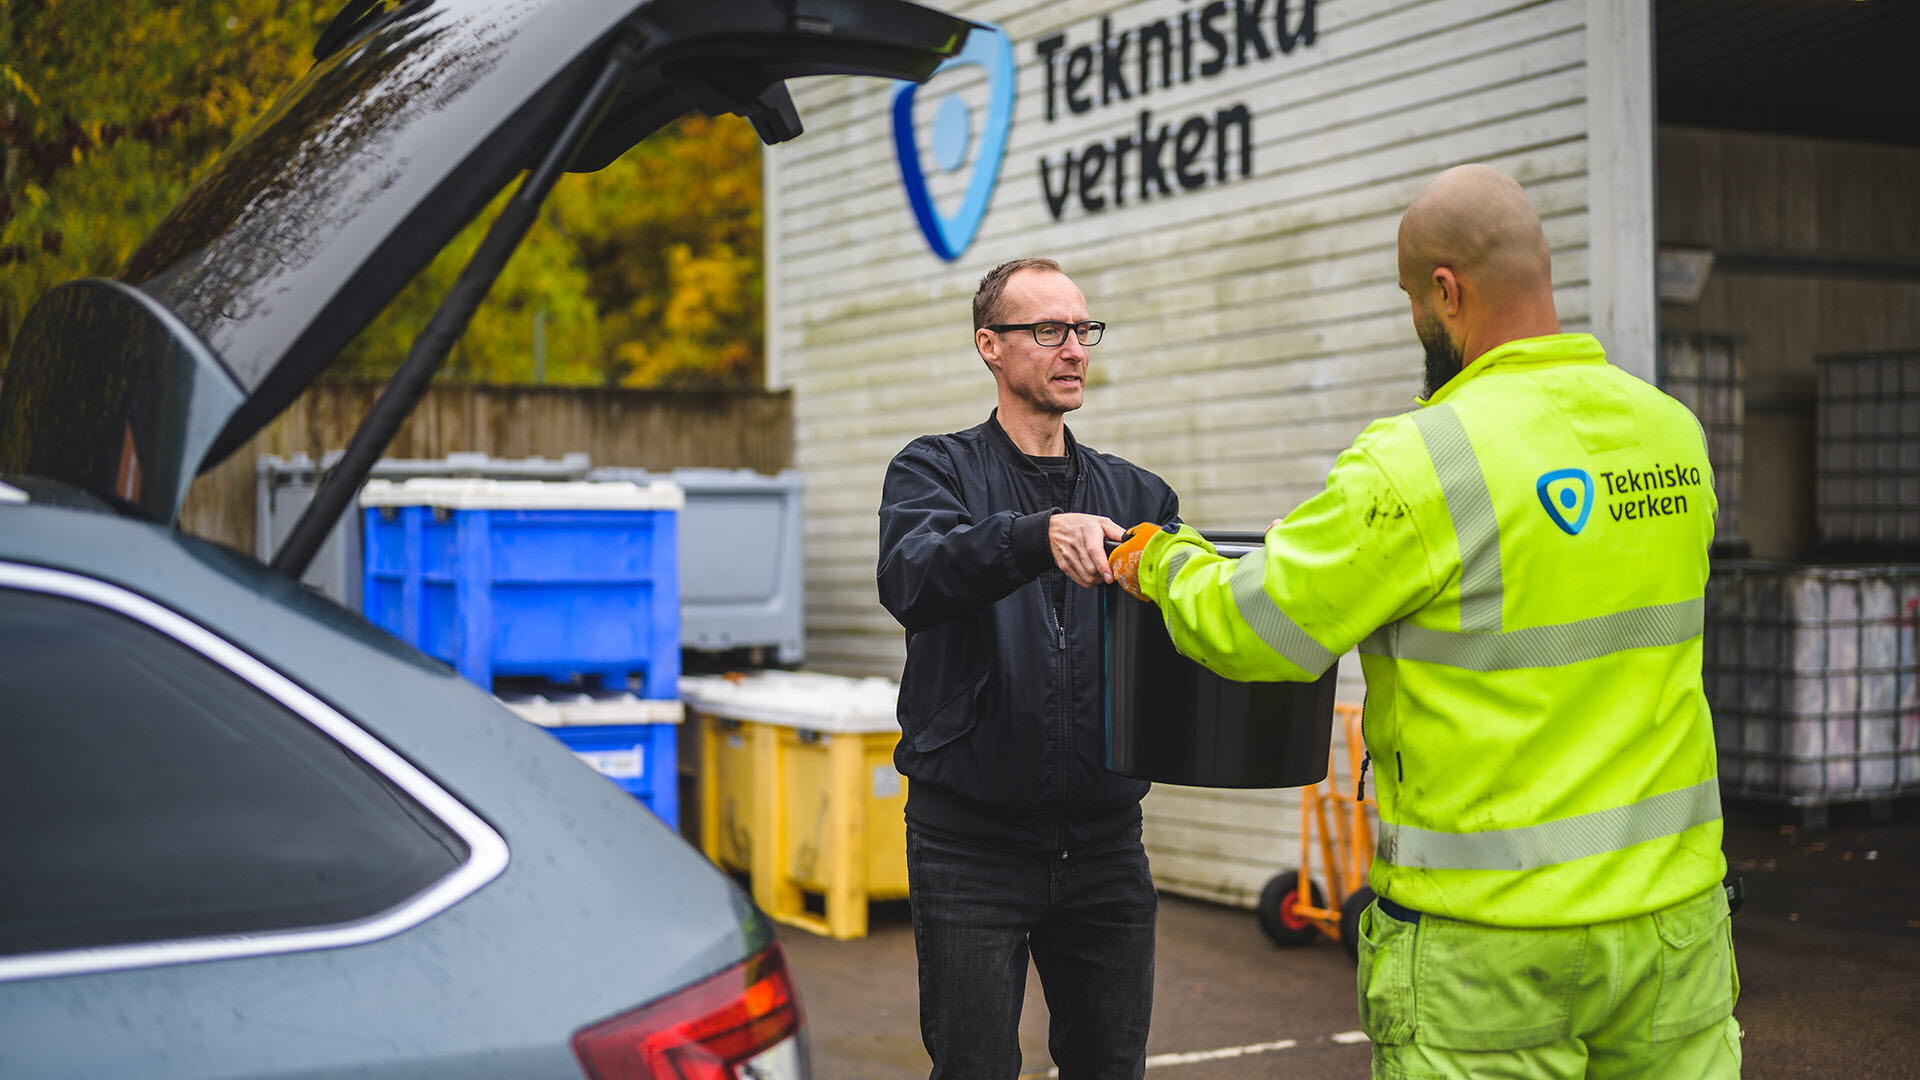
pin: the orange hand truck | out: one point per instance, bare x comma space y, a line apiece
1333, 821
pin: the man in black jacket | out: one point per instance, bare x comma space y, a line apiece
1019, 841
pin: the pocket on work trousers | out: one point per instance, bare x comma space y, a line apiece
1698, 982
1463, 986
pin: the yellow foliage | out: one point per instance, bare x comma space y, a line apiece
646, 273
19, 84
671, 235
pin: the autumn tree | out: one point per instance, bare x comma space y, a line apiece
646, 273
107, 110
671, 238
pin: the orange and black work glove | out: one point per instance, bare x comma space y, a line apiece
1125, 559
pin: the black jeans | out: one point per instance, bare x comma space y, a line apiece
1087, 921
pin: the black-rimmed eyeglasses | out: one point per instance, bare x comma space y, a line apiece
1050, 335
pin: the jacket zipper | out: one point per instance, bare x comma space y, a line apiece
1059, 615
1061, 721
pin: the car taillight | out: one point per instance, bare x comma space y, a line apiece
700, 1033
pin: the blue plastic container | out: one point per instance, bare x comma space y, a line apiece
520, 578
642, 758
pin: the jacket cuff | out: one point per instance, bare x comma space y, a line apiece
1032, 553
1158, 553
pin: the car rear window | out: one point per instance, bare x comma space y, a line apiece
148, 794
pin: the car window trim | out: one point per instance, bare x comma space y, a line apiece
487, 850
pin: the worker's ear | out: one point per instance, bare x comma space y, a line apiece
987, 344
1448, 285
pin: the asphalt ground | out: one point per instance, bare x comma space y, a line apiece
1828, 945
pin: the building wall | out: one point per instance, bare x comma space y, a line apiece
1255, 322
1811, 238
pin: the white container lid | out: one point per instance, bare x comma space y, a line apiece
800, 699
561, 709
475, 494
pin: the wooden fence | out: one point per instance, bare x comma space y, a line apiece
650, 429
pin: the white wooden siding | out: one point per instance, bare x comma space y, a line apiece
1255, 324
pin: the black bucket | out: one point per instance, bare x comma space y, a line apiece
1172, 721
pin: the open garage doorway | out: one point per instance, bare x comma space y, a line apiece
1788, 180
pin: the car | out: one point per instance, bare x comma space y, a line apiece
243, 832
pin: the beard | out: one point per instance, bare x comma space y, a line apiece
1443, 356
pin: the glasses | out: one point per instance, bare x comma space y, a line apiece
1050, 335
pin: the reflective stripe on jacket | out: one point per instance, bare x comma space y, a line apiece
1522, 565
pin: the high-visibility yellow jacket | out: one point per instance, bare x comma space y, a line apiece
1522, 564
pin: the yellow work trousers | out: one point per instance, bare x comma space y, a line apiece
1644, 998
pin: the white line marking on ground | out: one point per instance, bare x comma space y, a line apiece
1219, 1055
1348, 1037
1223, 1054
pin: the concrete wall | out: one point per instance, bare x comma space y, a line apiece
1255, 325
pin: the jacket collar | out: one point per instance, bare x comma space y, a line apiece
1524, 353
1003, 442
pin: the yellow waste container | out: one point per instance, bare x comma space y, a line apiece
798, 789
726, 790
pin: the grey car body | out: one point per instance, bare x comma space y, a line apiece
457, 895
591, 905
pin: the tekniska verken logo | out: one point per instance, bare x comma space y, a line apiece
968, 112
1640, 495
1567, 496
1111, 139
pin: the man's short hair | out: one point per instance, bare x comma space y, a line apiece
986, 299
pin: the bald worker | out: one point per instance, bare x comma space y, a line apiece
1521, 563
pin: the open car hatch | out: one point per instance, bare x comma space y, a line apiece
411, 121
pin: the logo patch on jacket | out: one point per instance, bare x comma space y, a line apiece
1644, 494
1567, 497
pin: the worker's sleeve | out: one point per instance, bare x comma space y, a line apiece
936, 562
1346, 562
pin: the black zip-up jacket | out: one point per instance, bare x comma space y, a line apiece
1000, 704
